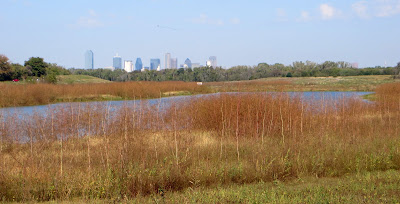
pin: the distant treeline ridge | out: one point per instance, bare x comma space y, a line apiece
262, 70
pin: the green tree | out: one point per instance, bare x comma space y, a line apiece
5, 68
20, 72
38, 66
397, 71
51, 78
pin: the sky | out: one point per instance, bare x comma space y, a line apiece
238, 32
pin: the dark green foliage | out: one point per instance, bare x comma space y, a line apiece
33, 68
5, 68
51, 78
38, 66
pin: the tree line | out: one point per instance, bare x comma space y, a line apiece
262, 70
33, 69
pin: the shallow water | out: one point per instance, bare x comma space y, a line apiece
165, 102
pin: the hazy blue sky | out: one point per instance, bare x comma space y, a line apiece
238, 32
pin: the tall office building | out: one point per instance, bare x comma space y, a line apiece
128, 66
138, 64
213, 61
188, 63
174, 63
167, 61
154, 63
89, 62
117, 62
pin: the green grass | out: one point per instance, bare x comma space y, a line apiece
79, 79
367, 187
90, 98
376, 187
351, 83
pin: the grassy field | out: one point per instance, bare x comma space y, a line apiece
350, 83
365, 187
79, 79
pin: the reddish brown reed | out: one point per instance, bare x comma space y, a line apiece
35, 94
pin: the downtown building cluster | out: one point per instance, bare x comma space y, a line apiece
155, 63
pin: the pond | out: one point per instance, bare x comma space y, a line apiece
166, 101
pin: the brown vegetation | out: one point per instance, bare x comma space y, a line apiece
38, 94
348, 83
103, 152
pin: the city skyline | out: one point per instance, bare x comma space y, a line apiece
155, 63
238, 32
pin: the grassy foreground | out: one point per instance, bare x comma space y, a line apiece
366, 187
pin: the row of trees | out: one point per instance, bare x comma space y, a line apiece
262, 70
35, 67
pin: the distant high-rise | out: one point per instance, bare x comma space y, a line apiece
188, 63
117, 62
213, 61
128, 66
154, 63
174, 63
89, 62
167, 61
196, 65
138, 64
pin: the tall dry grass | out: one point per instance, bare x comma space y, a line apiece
105, 152
38, 94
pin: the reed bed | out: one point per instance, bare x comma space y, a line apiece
97, 151
38, 94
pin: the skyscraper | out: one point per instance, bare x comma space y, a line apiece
117, 62
213, 61
154, 63
188, 63
174, 63
128, 66
167, 61
89, 62
138, 64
